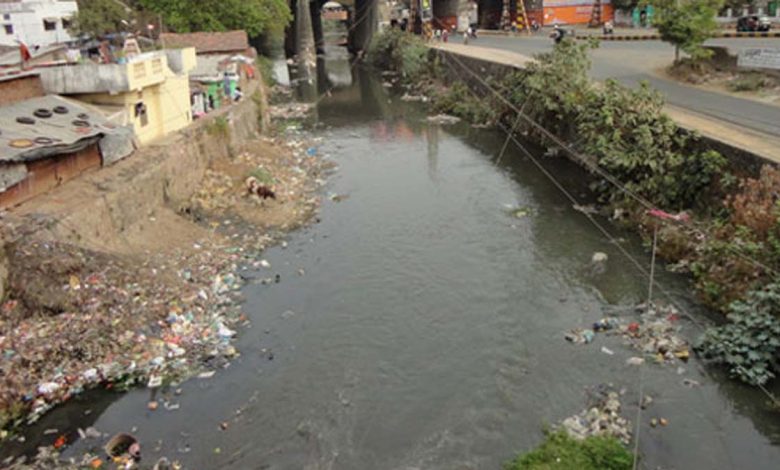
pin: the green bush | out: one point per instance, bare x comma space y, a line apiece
750, 344
626, 130
458, 100
622, 130
559, 451
400, 52
265, 67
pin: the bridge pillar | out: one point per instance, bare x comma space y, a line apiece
299, 44
445, 14
316, 25
363, 25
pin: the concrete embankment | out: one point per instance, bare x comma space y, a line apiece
746, 150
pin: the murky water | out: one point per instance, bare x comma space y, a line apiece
427, 331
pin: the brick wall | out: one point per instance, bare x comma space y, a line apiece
14, 89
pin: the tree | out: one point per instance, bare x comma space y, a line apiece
256, 17
98, 17
687, 24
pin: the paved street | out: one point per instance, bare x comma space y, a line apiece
633, 61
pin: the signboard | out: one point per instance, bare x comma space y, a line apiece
759, 58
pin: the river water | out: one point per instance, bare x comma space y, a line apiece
427, 330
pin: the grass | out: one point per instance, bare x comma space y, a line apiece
559, 451
747, 82
263, 176
219, 127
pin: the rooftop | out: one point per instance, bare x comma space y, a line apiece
51, 125
209, 43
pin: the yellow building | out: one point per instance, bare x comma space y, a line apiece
151, 91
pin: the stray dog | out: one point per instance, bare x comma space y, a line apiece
260, 191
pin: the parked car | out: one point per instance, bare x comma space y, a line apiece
754, 23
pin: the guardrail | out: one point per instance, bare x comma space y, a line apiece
655, 37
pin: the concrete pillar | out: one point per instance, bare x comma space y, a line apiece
445, 14
290, 39
316, 25
363, 25
299, 46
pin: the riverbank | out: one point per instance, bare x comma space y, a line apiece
714, 216
130, 275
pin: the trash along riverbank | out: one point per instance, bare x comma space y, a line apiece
77, 317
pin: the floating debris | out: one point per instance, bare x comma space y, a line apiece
443, 119
601, 418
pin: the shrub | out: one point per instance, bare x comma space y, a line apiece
750, 344
627, 132
265, 67
459, 101
747, 82
559, 451
397, 51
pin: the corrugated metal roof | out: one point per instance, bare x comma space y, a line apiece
46, 136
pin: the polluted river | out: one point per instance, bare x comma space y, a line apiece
420, 322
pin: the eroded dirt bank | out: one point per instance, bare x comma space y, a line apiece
129, 275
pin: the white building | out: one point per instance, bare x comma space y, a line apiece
35, 22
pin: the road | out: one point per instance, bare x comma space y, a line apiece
635, 61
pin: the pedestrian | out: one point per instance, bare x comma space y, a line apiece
557, 34
445, 34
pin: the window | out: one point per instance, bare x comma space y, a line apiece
7, 16
9, 28
66, 23
49, 25
140, 113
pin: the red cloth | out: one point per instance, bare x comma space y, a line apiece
681, 217
24, 52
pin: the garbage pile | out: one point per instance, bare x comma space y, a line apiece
77, 319
290, 110
656, 333
601, 418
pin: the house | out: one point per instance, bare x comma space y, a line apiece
36, 22
225, 62
46, 140
213, 49
150, 89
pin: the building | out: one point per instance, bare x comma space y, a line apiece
150, 90
212, 49
47, 139
36, 22
224, 62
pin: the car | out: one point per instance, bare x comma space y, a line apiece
754, 23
